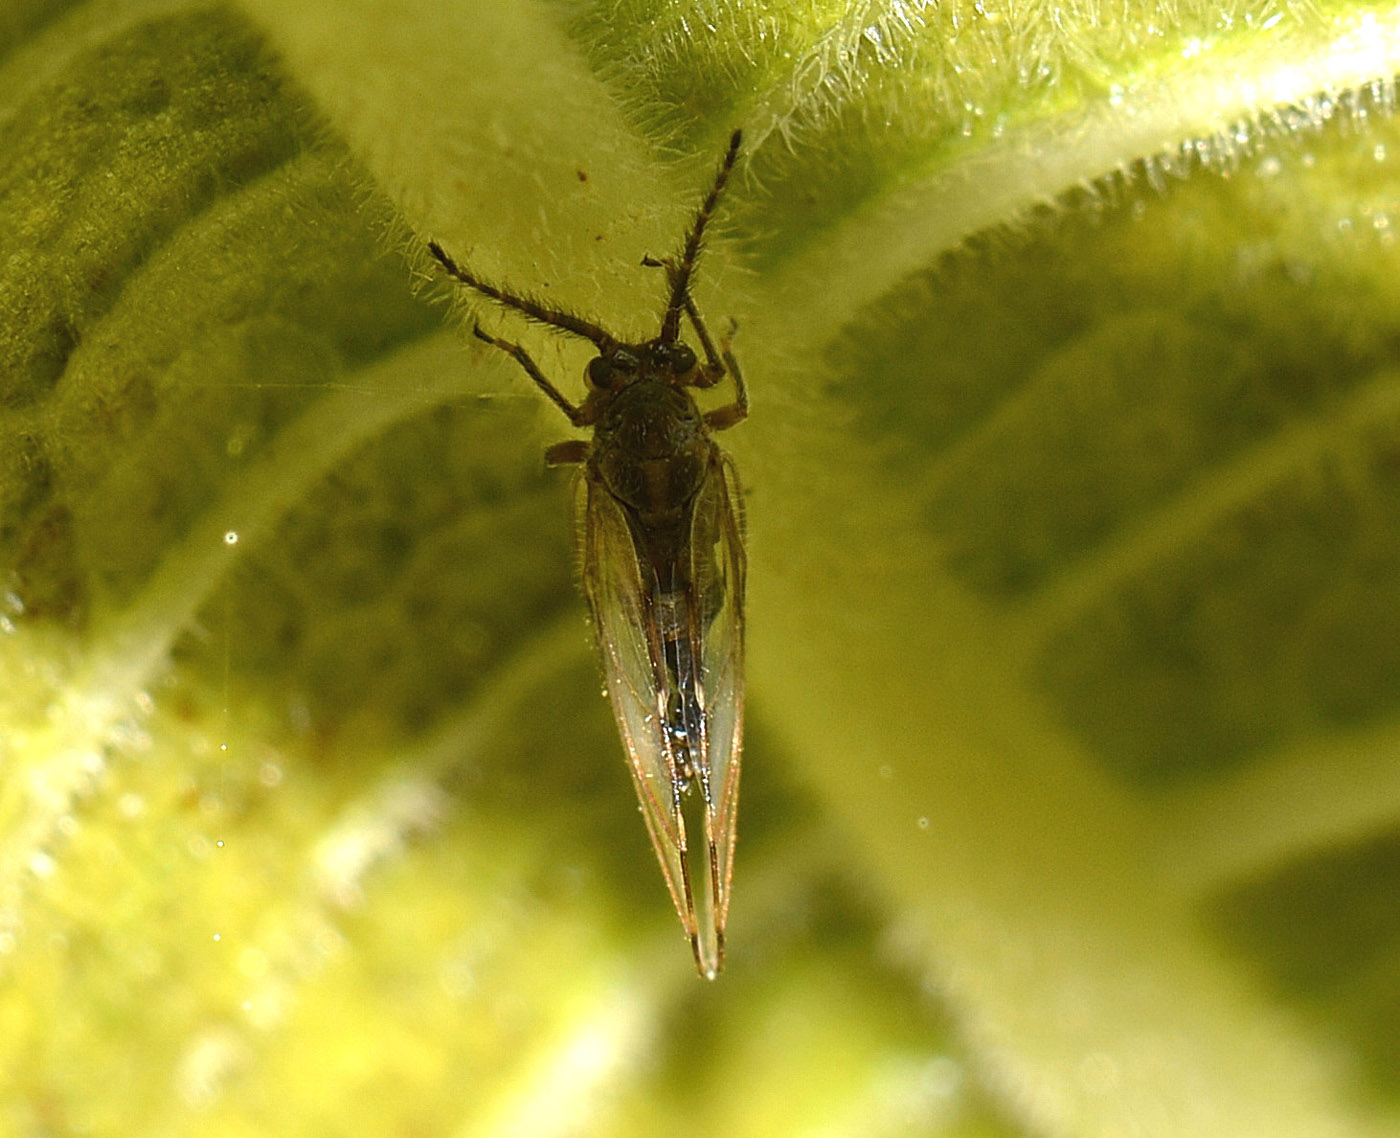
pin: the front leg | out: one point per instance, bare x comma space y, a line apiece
567, 453
713, 371
722, 418
578, 416
717, 364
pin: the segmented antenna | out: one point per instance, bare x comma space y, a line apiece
544, 313
680, 282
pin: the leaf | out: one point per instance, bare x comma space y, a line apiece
1069, 804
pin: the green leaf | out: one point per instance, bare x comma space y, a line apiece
1070, 801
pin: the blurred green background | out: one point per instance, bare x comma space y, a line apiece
1073, 478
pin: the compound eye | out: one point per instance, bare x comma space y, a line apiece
599, 373
682, 358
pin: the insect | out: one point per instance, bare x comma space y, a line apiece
661, 529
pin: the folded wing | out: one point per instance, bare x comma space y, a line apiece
673, 661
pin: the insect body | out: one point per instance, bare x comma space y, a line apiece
661, 527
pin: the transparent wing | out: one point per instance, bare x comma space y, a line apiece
718, 568
633, 666
671, 642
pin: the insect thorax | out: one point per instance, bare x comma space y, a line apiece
651, 450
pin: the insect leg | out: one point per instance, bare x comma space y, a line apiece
554, 317
714, 369
578, 416
568, 452
722, 418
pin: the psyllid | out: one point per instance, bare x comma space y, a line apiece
662, 534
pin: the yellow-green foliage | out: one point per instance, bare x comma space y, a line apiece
1071, 804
